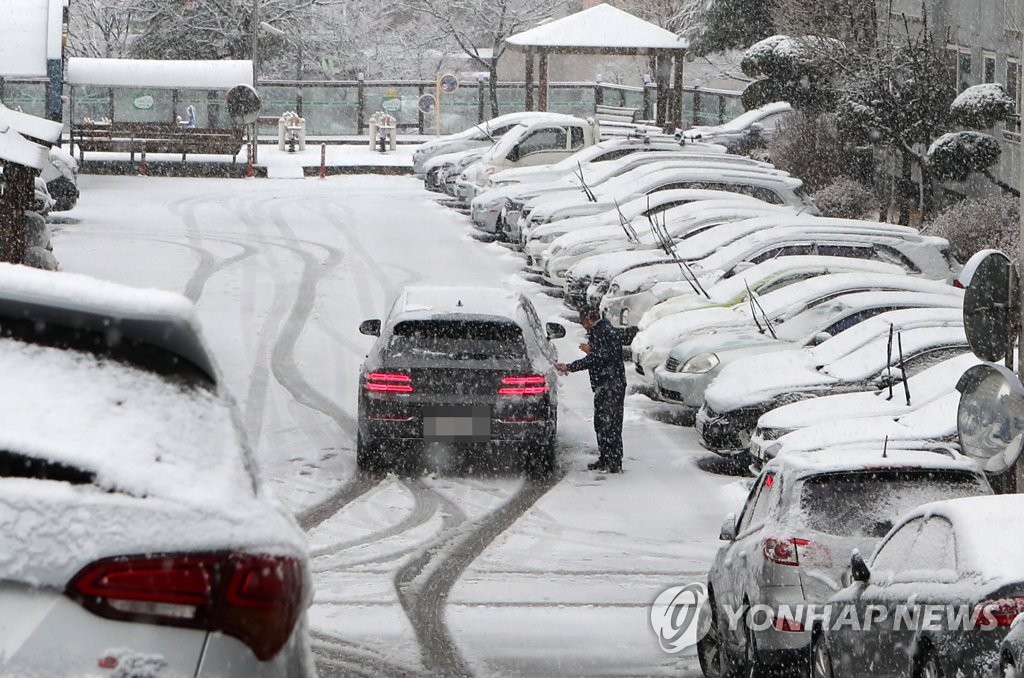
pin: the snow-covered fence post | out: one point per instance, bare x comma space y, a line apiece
360, 102
480, 81
323, 161
648, 84
598, 91
143, 165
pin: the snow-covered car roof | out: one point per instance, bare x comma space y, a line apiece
926, 386
733, 289
741, 121
428, 301
156, 317
870, 457
986, 530
483, 127
727, 243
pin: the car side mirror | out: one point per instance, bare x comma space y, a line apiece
370, 327
728, 531
514, 154
554, 330
859, 569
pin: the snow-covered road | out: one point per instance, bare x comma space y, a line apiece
484, 575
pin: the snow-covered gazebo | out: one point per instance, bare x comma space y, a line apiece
602, 29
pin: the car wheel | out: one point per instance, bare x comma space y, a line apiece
821, 660
927, 665
540, 459
710, 652
1007, 666
752, 667
368, 457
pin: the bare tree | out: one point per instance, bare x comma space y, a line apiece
101, 28
480, 27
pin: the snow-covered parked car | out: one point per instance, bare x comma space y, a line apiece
1011, 653
768, 276
959, 557
482, 135
848, 411
791, 545
753, 126
147, 542
536, 243
765, 184
440, 170
858, 359
678, 224
61, 177
694, 363
740, 244
496, 209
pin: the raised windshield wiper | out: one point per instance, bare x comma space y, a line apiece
15, 465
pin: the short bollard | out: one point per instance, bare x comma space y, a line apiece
323, 161
143, 165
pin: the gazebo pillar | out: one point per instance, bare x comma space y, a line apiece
529, 80
677, 91
543, 94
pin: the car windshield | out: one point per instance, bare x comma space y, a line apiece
867, 503
457, 340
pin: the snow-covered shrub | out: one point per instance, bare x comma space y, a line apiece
977, 224
808, 147
845, 198
956, 155
982, 106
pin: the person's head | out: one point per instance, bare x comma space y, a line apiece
589, 317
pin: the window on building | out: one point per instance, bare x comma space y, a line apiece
1013, 89
989, 66
958, 60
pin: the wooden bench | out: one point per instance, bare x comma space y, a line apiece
129, 137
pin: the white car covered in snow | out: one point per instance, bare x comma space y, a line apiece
843, 410
855, 360
140, 538
678, 224
482, 135
694, 363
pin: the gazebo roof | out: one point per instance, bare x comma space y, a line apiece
602, 29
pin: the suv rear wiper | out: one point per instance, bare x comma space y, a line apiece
15, 465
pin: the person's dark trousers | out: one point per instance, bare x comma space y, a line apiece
609, 400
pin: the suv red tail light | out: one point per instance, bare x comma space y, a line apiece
1000, 612
533, 384
255, 598
388, 382
797, 551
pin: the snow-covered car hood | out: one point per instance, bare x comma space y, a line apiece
451, 158
609, 264
746, 381
934, 422
925, 387
730, 343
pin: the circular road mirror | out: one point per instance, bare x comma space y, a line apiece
990, 418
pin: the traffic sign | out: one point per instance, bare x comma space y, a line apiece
448, 83
426, 103
990, 417
991, 306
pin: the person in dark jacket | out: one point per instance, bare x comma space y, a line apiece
608, 381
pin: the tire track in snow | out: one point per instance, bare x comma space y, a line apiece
338, 658
423, 583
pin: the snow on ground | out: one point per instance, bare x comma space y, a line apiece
283, 272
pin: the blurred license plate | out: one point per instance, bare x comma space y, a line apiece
456, 423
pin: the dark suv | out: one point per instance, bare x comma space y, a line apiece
464, 369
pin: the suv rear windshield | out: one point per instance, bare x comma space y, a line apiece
457, 340
867, 503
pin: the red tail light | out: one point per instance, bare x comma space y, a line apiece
255, 598
388, 382
783, 624
1000, 612
534, 384
796, 551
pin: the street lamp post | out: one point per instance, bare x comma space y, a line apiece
255, 38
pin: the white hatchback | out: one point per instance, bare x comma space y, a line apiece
136, 537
